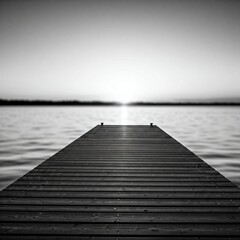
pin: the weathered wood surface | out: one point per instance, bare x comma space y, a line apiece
122, 182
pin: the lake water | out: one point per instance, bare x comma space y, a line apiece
29, 135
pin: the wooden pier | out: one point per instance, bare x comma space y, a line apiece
122, 182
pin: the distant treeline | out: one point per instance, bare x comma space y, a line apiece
4, 102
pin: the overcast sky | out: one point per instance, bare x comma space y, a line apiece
120, 50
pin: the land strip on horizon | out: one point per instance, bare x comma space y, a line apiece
13, 102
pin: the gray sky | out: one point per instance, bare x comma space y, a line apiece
120, 50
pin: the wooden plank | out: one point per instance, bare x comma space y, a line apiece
146, 202
81, 217
65, 179
78, 237
129, 169
37, 172
23, 207
118, 229
125, 170
122, 182
120, 194
103, 188
132, 164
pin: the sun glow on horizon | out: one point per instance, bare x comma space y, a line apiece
124, 95
124, 101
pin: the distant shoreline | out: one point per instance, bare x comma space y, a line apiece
4, 102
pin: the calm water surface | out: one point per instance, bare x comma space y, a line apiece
29, 135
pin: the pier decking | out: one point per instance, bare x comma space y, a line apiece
122, 182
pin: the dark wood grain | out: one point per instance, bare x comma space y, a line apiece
122, 182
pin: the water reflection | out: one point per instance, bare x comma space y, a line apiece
124, 115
